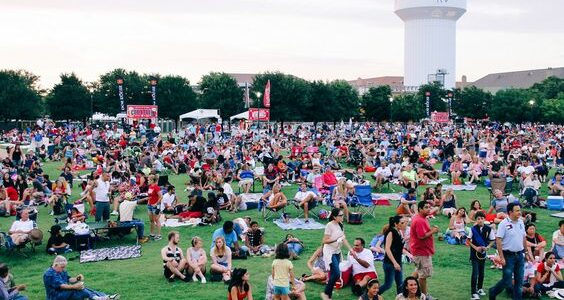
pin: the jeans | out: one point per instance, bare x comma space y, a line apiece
514, 265
334, 274
102, 211
297, 248
477, 278
540, 288
139, 227
389, 272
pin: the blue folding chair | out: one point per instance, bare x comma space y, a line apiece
363, 200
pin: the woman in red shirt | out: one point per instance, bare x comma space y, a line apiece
239, 287
548, 275
153, 207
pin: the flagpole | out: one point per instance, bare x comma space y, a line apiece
258, 114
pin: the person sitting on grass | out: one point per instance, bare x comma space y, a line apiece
56, 243
246, 178
408, 177
317, 267
221, 259
19, 231
295, 246
457, 225
173, 259
60, 286
255, 240
239, 286
372, 291
197, 259
362, 266
8, 290
408, 202
126, 210
548, 275
535, 243
411, 290
230, 239
169, 202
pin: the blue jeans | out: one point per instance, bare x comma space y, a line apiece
334, 274
297, 248
76, 294
389, 272
477, 278
514, 265
139, 227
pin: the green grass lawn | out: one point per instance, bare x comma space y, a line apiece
142, 278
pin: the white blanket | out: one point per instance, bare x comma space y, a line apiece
177, 223
298, 224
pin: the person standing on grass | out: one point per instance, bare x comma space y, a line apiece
511, 239
422, 245
153, 208
480, 241
333, 239
393, 251
282, 273
101, 191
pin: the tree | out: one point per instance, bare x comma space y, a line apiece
550, 87
135, 89
376, 103
289, 96
553, 110
69, 100
511, 105
220, 91
437, 97
322, 102
407, 107
471, 102
20, 96
346, 101
175, 97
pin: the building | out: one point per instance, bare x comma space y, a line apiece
363, 85
245, 82
518, 79
429, 40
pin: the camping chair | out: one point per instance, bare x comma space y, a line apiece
268, 213
34, 240
313, 206
363, 200
497, 184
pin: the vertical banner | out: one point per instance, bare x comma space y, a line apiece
266, 99
450, 103
427, 108
154, 90
247, 96
120, 94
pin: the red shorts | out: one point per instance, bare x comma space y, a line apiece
191, 214
491, 217
358, 277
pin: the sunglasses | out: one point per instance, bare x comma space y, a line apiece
340, 215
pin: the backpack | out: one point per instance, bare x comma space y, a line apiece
355, 218
58, 208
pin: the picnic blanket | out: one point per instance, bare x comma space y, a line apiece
435, 182
299, 224
389, 196
121, 252
251, 197
460, 187
558, 215
177, 223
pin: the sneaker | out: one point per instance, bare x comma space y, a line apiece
114, 297
194, 278
475, 297
100, 298
51, 213
481, 292
204, 279
324, 296
114, 213
152, 236
143, 240
158, 237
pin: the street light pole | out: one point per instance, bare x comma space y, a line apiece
258, 113
391, 99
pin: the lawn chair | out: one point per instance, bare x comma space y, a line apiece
313, 207
34, 240
363, 200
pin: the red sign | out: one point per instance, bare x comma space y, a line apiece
266, 99
137, 112
440, 117
259, 114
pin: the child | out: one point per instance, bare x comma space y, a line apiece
76, 216
480, 240
282, 273
56, 243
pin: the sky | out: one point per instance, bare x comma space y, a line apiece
312, 39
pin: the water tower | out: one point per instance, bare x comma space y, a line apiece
430, 40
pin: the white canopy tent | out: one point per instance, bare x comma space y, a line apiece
102, 117
201, 114
244, 115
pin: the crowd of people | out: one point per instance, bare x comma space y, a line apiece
118, 169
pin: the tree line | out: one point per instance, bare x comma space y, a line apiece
292, 98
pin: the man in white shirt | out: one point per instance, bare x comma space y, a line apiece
382, 174
362, 266
101, 192
169, 200
525, 170
19, 232
126, 210
305, 198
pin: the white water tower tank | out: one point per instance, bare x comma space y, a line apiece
430, 39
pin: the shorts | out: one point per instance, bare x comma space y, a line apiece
423, 266
243, 182
358, 277
154, 210
281, 290
242, 205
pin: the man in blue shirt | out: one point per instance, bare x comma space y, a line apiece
231, 241
511, 239
59, 286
